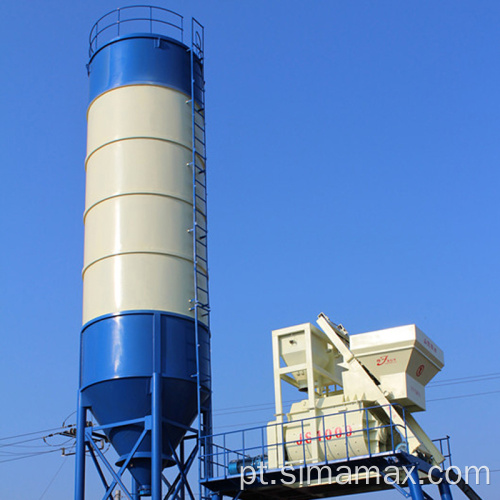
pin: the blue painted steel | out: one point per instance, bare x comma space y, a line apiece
248, 442
444, 490
81, 418
118, 360
416, 491
119, 346
134, 489
156, 412
141, 59
134, 19
236, 466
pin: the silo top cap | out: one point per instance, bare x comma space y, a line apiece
135, 19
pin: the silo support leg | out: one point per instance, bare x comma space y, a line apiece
156, 465
156, 411
81, 421
133, 489
445, 491
416, 491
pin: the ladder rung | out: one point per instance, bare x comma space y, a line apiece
200, 306
205, 307
201, 228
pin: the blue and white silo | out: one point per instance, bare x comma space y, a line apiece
145, 342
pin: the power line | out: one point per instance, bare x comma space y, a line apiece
28, 455
231, 411
31, 433
266, 406
465, 380
53, 479
465, 396
28, 440
460, 396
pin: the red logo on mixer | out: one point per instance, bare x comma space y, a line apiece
420, 369
385, 360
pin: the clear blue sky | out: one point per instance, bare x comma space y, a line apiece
354, 169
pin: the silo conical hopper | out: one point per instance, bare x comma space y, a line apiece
138, 275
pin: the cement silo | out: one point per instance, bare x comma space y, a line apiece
145, 342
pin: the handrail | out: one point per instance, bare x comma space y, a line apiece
250, 444
123, 21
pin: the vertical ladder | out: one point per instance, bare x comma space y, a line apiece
200, 302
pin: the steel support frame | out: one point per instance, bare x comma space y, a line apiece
412, 465
415, 486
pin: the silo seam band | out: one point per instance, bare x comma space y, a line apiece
142, 252
187, 148
188, 98
142, 193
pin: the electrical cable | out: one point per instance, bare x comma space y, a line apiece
31, 433
460, 396
53, 479
266, 406
29, 456
220, 412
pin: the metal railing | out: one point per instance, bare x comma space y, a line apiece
234, 450
135, 19
443, 444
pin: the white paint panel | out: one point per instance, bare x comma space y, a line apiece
137, 281
139, 166
138, 223
139, 111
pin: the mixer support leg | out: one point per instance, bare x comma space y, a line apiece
415, 487
444, 490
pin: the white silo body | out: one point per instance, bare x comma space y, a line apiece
139, 203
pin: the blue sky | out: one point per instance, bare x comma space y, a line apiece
353, 154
